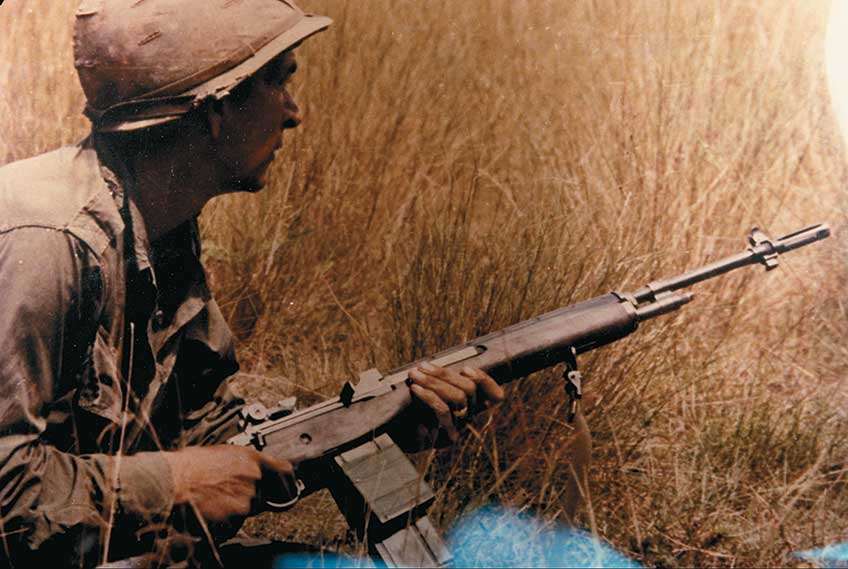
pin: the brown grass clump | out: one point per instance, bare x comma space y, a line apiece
466, 165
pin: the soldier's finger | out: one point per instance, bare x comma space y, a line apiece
451, 376
275, 464
440, 409
248, 463
450, 394
486, 383
243, 506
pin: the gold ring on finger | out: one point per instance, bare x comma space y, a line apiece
460, 413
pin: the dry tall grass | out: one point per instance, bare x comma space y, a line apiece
465, 165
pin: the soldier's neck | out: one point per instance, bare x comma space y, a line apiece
171, 190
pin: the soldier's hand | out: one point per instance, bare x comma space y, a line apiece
448, 394
222, 481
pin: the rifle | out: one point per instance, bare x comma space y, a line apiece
341, 444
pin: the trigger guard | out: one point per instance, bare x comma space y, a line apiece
281, 506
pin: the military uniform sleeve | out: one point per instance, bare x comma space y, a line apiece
47, 496
205, 365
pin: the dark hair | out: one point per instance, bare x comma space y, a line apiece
241, 92
142, 141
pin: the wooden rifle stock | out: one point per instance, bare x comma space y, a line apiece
318, 437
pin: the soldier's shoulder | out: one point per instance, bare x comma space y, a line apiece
48, 189
62, 190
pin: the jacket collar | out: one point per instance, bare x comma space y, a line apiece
119, 180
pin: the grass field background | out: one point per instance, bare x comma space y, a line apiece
462, 166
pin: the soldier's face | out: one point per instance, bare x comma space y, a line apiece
252, 132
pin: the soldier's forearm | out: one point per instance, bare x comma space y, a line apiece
54, 499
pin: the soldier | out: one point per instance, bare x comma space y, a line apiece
115, 356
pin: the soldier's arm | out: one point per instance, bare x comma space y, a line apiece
51, 499
204, 367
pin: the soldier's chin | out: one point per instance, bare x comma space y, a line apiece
250, 183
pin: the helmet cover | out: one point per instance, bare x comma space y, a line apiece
147, 62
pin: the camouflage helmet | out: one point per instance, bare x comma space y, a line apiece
147, 62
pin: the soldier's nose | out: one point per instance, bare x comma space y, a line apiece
292, 113
292, 120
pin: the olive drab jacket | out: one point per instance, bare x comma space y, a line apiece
110, 347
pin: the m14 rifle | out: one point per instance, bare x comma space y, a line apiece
342, 444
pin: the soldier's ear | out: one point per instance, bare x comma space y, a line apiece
215, 119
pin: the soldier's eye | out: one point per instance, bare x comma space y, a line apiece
276, 75
288, 74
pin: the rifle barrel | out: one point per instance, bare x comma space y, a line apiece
761, 250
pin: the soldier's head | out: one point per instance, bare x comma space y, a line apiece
159, 71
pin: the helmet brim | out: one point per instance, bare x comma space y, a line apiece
220, 86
